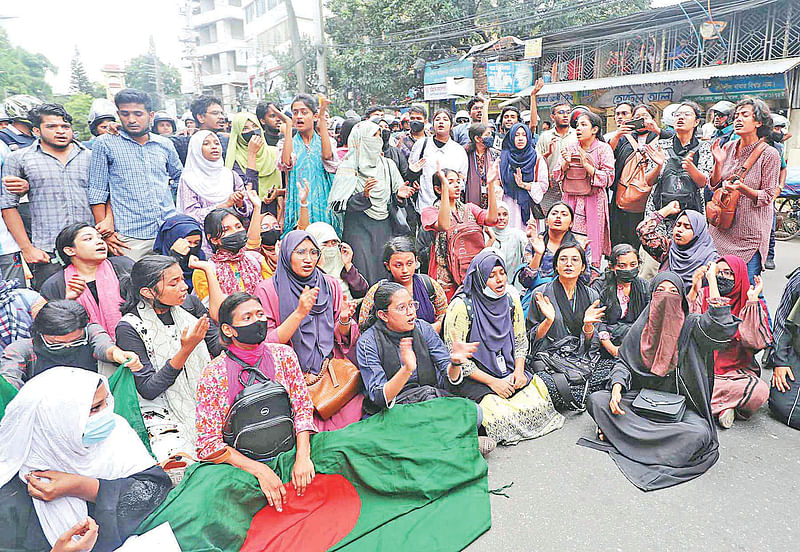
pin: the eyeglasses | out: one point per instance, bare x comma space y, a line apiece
312, 253
58, 346
407, 308
727, 274
561, 112
215, 113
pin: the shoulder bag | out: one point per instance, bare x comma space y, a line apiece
632, 188
721, 210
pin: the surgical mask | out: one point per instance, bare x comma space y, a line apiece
250, 133
234, 242
492, 294
725, 285
253, 333
488, 141
626, 276
270, 237
99, 426
385, 135
416, 126
330, 253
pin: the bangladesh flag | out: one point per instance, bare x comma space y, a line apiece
409, 478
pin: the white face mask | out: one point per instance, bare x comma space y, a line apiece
330, 253
492, 294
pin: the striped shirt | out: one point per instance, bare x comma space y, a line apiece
137, 177
58, 191
752, 224
784, 353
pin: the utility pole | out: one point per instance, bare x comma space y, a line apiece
156, 72
322, 67
299, 64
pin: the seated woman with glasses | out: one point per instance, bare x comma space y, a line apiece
306, 309
61, 335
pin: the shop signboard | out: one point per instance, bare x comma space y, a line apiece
508, 77
747, 84
438, 71
434, 92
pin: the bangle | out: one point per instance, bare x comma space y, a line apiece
304, 204
454, 363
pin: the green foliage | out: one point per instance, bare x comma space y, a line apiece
140, 74
78, 81
22, 72
367, 54
78, 106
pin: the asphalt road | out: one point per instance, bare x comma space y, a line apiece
568, 497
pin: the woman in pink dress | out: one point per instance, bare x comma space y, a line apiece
305, 308
594, 160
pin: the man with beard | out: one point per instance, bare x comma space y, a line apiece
270, 122
550, 144
208, 112
54, 172
131, 171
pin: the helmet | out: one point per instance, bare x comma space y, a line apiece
3, 117
101, 110
164, 116
723, 107
779, 120
668, 115
526, 116
462, 115
577, 111
17, 107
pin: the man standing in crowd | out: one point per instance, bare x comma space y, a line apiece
622, 114
130, 173
270, 122
208, 112
374, 111
10, 256
54, 171
509, 116
417, 117
19, 134
720, 115
550, 144
478, 109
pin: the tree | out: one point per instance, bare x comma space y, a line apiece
376, 43
22, 72
78, 81
78, 106
140, 73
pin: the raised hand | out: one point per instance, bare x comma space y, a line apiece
347, 255
656, 154
545, 306
347, 310
754, 291
462, 351
190, 337
303, 191
594, 314
255, 144
408, 359
307, 299
405, 191
196, 264
236, 199
537, 243
717, 153
255, 201
537, 86
75, 287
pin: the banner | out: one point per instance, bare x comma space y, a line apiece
508, 77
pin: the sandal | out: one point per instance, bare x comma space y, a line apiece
600, 436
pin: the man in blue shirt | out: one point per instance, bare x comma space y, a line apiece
129, 177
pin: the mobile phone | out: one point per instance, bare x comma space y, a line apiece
636, 124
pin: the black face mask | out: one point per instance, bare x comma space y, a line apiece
270, 237
253, 333
234, 242
416, 126
183, 260
725, 285
626, 276
385, 135
250, 133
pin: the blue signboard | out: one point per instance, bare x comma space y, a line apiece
436, 72
508, 77
747, 83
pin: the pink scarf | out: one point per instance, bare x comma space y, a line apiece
251, 358
107, 312
246, 270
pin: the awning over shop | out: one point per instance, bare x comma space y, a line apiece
699, 73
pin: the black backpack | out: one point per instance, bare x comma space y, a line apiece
260, 423
675, 184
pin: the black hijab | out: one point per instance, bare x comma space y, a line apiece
639, 298
388, 342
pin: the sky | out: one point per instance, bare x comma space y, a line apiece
105, 32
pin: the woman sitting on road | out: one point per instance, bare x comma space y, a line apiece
336, 259
400, 259
515, 403
62, 439
566, 313
90, 276
667, 349
624, 295
784, 397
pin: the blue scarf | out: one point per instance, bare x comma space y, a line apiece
513, 158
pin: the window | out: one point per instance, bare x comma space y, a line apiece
260, 8
250, 12
236, 3
237, 29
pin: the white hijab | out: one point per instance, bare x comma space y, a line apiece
330, 261
211, 180
42, 429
